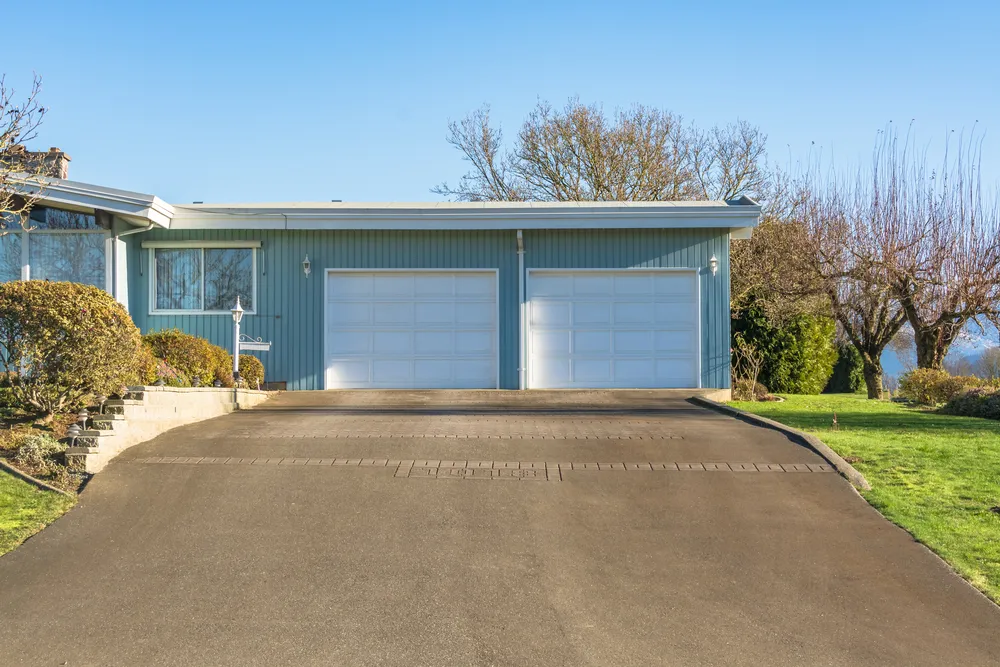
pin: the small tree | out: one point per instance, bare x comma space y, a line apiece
19, 122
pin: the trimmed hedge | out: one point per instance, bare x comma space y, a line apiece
251, 371
62, 342
186, 357
929, 386
979, 402
799, 354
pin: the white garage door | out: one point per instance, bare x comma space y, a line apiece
602, 329
414, 329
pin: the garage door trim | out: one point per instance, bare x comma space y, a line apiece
526, 323
496, 300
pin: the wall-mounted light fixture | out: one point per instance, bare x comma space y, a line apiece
306, 266
713, 264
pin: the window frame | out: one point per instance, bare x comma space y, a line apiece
152, 246
25, 235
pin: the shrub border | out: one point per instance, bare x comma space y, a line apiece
812, 442
25, 477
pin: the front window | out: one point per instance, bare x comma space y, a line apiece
55, 245
203, 279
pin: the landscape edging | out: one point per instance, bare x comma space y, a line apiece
836, 460
23, 476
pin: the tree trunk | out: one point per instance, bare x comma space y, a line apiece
873, 377
932, 345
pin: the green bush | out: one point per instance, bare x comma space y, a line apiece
799, 354
190, 356
251, 371
223, 366
848, 373
40, 454
64, 342
979, 402
745, 390
929, 386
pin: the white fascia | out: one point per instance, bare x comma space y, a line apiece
436, 217
133, 207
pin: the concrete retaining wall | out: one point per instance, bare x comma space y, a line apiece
147, 412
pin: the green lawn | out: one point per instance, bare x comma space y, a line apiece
934, 475
25, 510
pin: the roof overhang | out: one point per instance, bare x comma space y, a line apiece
742, 215
133, 207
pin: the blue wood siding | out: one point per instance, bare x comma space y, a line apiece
652, 248
289, 307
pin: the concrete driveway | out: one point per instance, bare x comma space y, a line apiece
620, 528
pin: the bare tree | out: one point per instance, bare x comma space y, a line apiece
19, 122
581, 153
946, 269
988, 364
846, 261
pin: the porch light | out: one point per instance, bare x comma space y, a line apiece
713, 264
306, 266
237, 316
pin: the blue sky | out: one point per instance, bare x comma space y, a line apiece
315, 101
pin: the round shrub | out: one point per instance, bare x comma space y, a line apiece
64, 342
251, 371
745, 390
931, 386
191, 356
223, 368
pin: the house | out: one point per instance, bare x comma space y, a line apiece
436, 295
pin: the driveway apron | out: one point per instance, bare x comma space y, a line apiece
481, 528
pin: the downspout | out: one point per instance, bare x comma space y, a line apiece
114, 256
521, 352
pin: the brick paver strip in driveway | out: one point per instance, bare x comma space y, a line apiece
361, 556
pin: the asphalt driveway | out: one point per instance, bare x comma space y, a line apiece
481, 529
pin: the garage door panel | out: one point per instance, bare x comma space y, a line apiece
475, 313
351, 372
591, 312
433, 342
474, 342
677, 284
348, 285
350, 342
398, 329
593, 285
434, 285
675, 341
670, 370
350, 313
434, 312
591, 342
632, 342
551, 373
392, 284
391, 343
592, 370
548, 343
473, 285
553, 285
631, 328
633, 284
392, 312
390, 372
550, 313
633, 313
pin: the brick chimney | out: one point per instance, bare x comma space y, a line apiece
54, 163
